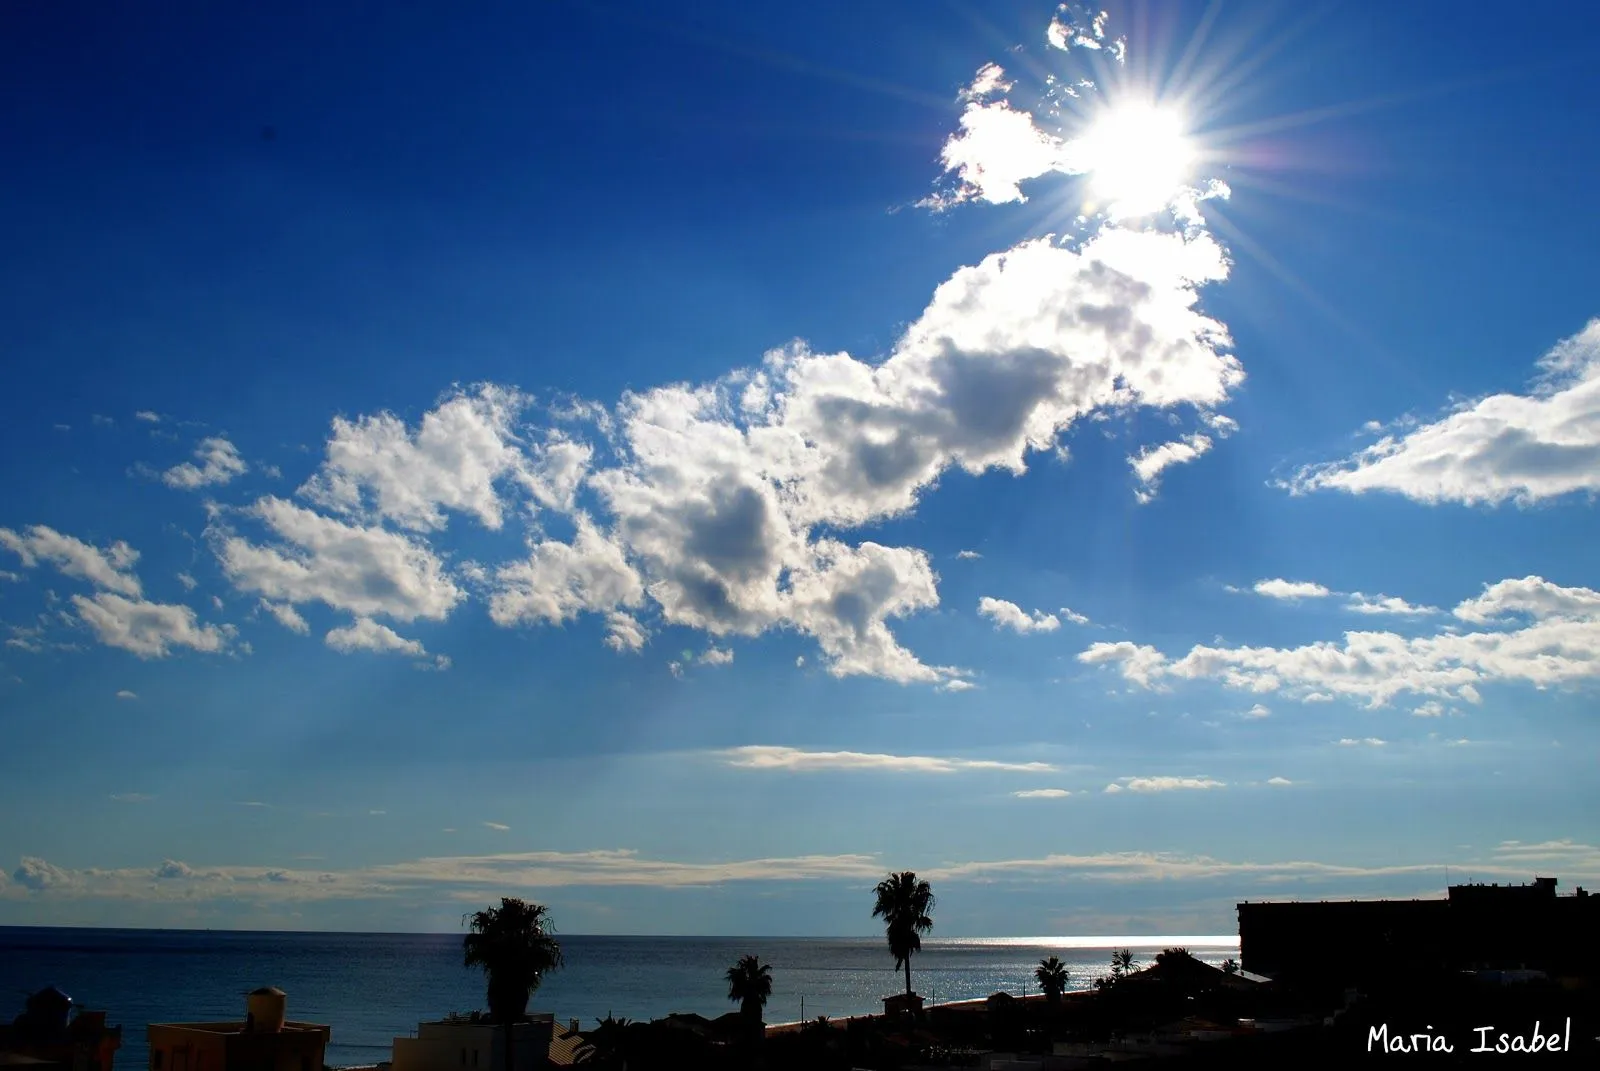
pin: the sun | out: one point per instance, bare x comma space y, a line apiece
1137, 156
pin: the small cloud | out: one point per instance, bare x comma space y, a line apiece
800, 661
101, 421
1163, 784
1366, 741
286, 615
1431, 709
448, 829
1009, 615
676, 669
39, 875
1073, 616
716, 657
148, 416
1278, 588
1385, 604
1316, 697
968, 555
1279, 781
251, 803
377, 812
956, 684
126, 694
189, 583
219, 463
1042, 794
171, 869
1257, 711
131, 797
498, 827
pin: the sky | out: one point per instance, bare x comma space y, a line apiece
679, 464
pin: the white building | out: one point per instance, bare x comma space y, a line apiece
467, 1043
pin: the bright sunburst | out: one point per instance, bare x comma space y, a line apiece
1137, 157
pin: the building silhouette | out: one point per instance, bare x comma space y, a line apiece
1474, 927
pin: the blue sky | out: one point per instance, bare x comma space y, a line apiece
679, 465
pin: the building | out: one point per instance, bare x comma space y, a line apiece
1475, 927
265, 1040
42, 1038
475, 1041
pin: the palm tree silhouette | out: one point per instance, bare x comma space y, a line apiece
1230, 966
606, 1045
904, 904
1122, 962
1051, 974
750, 984
514, 946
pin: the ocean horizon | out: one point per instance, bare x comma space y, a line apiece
373, 987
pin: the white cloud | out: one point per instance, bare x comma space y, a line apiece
1258, 711
968, 555
1431, 709
1290, 589
111, 568
1149, 462
1506, 447
624, 633
1042, 793
189, 583
558, 581
459, 452
148, 629
367, 571
990, 79
1366, 741
766, 757
219, 463
1162, 784
127, 694
172, 869
1551, 639
1073, 616
1386, 604
36, 874
1279, 781
498, 826
286, 615
365, 634
1532, 597
148, 416
716, 657
1009, 615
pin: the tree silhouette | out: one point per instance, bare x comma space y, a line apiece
904, 904
750, 984
513, 943
1230, 966
1122, 962
1051, 974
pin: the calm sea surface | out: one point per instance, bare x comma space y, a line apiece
371, 988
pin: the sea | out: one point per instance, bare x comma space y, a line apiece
373, 987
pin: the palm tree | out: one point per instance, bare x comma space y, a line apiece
513, 943
904, 904
606, 1045
750, 983
1230, 966
1122, 962
1051, 975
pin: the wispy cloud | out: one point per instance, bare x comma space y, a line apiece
1042, 794
1162, 784
499, 827
1278, 588
786, 758
1524, 448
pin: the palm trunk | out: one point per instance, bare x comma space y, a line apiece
511, 1064
908, 976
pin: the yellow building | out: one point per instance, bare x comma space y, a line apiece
473, 1043
264, 1041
